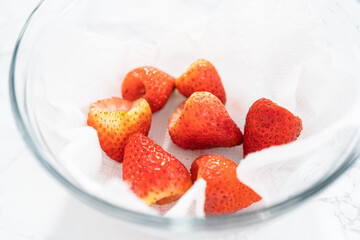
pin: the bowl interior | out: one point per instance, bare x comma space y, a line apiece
74, 53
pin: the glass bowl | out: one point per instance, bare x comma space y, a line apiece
42, 41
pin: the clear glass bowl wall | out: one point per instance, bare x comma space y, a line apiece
147, 23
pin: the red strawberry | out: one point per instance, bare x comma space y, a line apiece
154, 175
115, 119
201, 76
203, 122
268, 124
150, 83
224, 193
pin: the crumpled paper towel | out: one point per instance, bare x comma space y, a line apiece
262, 48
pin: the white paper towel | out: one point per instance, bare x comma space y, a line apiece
261, 48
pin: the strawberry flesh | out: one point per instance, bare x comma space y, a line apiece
115, 119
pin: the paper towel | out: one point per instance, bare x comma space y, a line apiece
262, 48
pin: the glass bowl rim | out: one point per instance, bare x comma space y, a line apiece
186, 224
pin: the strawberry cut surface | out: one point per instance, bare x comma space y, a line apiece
115, 119
150, 83
201, 76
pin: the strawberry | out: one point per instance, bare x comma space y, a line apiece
203, 122
150, 83
224, 193
201, 76
268, 124
153, 174
115, 119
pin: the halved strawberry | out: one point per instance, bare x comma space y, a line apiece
203, 122
224, 193
268, 124
201, 76
115, 119
150, 83
153, 174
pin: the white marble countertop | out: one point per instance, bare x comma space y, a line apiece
33, 205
